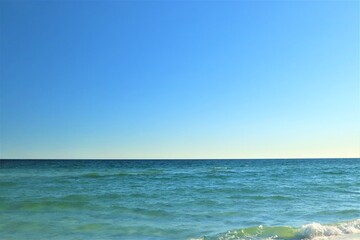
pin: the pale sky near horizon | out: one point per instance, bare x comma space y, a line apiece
181, 79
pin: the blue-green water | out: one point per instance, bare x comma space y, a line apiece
207, 199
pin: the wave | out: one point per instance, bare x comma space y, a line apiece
220, 170
68, 202
340, 212
91, 175
334, 172
7, 184
311, 231
121, 174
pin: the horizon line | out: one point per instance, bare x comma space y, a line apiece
170, 159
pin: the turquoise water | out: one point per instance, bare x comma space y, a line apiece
207, 199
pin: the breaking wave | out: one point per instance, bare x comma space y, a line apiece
311, 231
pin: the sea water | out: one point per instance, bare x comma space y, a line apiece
180, 199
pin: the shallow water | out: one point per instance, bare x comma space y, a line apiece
207, 199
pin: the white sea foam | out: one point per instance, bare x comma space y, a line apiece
313, 231
317, 231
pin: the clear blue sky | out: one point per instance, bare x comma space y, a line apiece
184, 79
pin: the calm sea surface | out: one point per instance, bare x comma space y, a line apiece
199, 199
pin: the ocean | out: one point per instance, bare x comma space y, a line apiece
180, 199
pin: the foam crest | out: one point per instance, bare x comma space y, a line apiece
311, 231
320, 231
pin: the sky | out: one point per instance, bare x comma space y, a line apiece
179, 79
